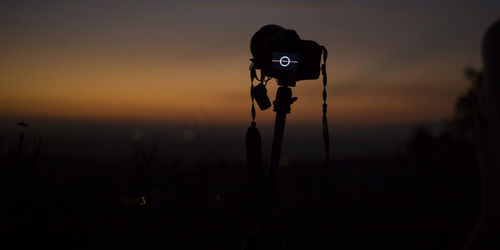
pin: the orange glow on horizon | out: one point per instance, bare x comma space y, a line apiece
184, 62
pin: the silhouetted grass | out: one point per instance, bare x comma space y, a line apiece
404, 202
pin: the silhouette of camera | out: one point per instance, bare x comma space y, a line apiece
281, 54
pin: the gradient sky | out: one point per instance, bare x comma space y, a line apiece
389, 61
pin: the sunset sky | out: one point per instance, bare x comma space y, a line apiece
389, 61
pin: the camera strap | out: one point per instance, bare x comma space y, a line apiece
253, 75
324, 121
253, 144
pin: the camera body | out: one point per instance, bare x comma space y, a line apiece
281, 54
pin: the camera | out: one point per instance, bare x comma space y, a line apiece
281, 54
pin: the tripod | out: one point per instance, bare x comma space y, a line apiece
282, 107
262, 236
280, 54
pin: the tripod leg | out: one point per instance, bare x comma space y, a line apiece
282, 107
279, 129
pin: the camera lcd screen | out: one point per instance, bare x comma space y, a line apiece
285, 61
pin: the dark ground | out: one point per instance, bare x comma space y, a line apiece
426, 198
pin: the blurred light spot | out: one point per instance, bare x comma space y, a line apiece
188, 136
138, 135
219, 199
142, 201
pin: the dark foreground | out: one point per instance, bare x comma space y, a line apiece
423, 200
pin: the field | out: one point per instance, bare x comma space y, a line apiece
426, 197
